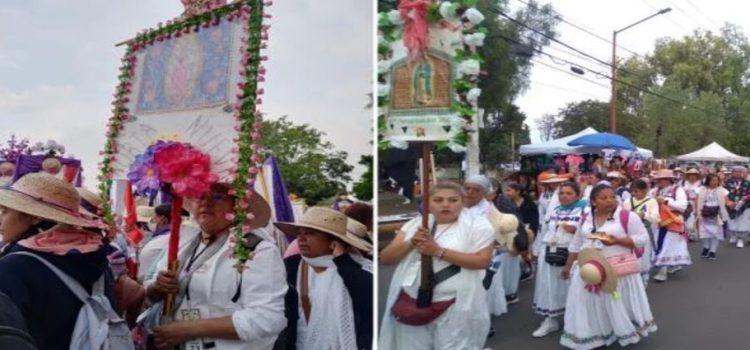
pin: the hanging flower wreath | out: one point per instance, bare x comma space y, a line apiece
247, 112
459, 15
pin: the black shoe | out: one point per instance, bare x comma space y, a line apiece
527, 275
711, 256
511, 298
704, 254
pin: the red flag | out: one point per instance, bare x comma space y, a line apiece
131, 217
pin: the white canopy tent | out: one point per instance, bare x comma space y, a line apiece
560, 146
712, 153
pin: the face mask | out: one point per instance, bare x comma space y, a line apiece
151, 226
321, 261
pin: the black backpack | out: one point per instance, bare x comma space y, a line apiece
13, 332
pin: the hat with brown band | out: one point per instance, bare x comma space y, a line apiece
46, 196
325, 220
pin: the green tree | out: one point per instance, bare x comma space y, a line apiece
507, 65
363, 188
310, 165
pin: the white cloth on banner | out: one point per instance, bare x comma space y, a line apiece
600, 319
331, 324
465, 324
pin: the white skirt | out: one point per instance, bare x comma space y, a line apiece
496, 295
710, 228
594, 320
511, 266
674, 253
646, 258
550, 290
739, 226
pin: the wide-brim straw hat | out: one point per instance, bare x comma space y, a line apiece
594, 269
615, 175
326, 220
678, 170
356, 233
45, 196
91, 200
664, 174
693, 171
554, 179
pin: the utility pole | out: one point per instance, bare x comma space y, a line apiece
613, 99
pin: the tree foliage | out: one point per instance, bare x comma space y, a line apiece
706, 73
310, 165
363, 188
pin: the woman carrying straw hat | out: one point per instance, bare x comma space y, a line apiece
46, 302
602, 314
216, 305
462, 244
329, 303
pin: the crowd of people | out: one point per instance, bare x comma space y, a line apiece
68, 281
592, 242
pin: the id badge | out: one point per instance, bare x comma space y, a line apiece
192, 315
553, 249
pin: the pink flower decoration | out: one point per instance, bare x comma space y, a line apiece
229, 216
250, 216
187, 169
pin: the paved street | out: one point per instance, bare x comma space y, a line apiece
705, 306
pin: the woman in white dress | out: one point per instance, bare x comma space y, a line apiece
455, 238
648, 210
711, 214
550, 288
595, 319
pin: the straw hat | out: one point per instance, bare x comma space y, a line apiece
678, 170
693, 171
724, 170
664, 174
45, 196
89, 201
145, 213
52, 165
595, 270
615, 175
326, 220
553, 179
357, 231
7, 168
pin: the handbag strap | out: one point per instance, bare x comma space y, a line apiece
69, 282
305, 290
445, 274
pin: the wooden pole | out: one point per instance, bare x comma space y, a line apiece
424, 296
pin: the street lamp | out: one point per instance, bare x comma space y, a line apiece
613, 100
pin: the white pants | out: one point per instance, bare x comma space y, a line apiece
712, 244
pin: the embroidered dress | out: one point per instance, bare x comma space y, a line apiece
738, 227
671, 247
647, 208
550, 289
601, 319
691, 190
465, 324
711, 227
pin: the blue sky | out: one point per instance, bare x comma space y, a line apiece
58, 68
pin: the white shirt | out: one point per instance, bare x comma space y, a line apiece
258, 315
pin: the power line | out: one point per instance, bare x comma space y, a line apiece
666, 17
553, 86
639, 88
698, 10
571, 73
684, 13
587, 31
564, 44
